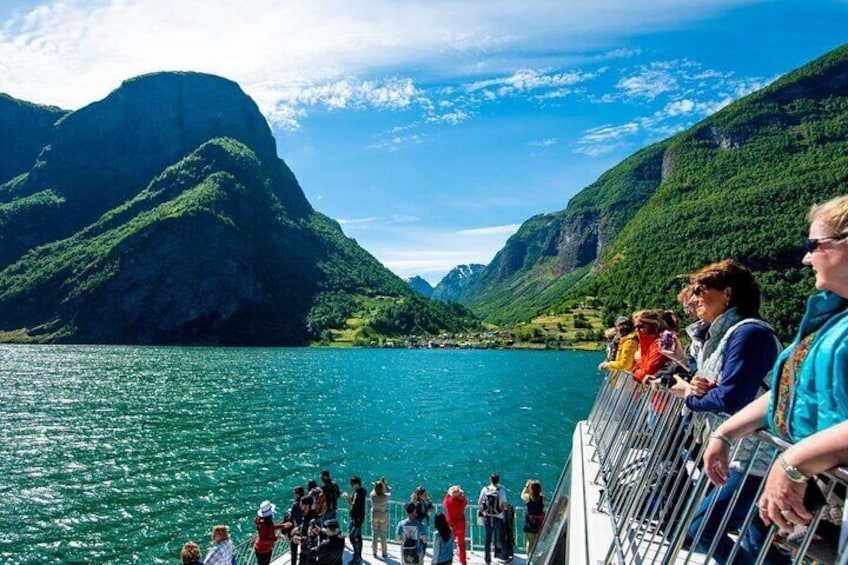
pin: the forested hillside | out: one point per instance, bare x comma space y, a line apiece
736, 185
162, 215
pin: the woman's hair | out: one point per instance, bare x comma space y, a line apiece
672, 322
190, 553
378, 487
834, 214
535, 489
441, 524
652, 318
268, 521
744, 290
222, 531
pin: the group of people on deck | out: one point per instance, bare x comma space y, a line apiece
735, 364
315, 536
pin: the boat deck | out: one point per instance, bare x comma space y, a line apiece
394, 557
590, 530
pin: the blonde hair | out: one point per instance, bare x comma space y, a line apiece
652, 318
190, 553
222, 531
833, 213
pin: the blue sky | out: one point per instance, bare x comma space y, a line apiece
432, 129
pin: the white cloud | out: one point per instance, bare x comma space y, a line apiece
679, 107
544, 143
507, 230
649, 83
291, 54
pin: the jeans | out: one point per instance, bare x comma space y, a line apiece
496, 526
355, 534
263, 558
736, 519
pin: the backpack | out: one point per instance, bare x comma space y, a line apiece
409, 551
493, 502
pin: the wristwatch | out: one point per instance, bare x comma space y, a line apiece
791, 471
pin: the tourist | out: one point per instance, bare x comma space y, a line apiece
330, 550
423, 505
380, 495
331, 494
455, 503
443, 541
737, 354
357, 517
293, 520
190, 554
306, 533
807, 404
628, 344
266, 531
649, 325
493, 504
222, 548
412, 533
611, 335
534, 515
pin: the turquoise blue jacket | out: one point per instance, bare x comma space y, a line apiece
820, 396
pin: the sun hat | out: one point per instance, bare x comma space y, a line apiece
266, 509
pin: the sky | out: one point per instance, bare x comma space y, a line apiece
431, 129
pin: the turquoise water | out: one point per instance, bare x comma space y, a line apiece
120, 454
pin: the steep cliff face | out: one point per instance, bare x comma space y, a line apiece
141, 224
105, 153
737, 184
549, 252
25, 129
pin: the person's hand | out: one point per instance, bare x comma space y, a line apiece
603, 366
782, 501
680, 388
701, 385
717, 461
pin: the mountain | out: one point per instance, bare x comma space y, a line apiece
738, 184
162, 215
25, 129
452, 285
420, 285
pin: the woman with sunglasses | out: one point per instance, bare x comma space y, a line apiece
732, 365
808, 402
649, 325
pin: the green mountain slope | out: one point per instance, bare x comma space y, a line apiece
736, 185
220, 247
25, 129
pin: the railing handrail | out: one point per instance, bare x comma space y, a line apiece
638, 486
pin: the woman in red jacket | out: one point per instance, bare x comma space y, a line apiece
266, 532
454, 504
649, 325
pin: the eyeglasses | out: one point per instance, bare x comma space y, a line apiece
699, 289
813, 243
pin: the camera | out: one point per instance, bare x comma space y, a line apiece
667, 381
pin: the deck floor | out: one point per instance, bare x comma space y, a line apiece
473, 557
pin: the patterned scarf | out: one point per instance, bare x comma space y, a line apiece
786, 385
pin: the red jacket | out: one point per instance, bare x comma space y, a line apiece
455, 510
266, 537
650, 360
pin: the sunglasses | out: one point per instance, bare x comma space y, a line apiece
699, 289
813, 243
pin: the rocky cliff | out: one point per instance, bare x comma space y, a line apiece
162, 215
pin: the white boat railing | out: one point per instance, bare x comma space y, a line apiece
649, 448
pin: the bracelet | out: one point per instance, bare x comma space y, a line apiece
791, 471
722, 437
